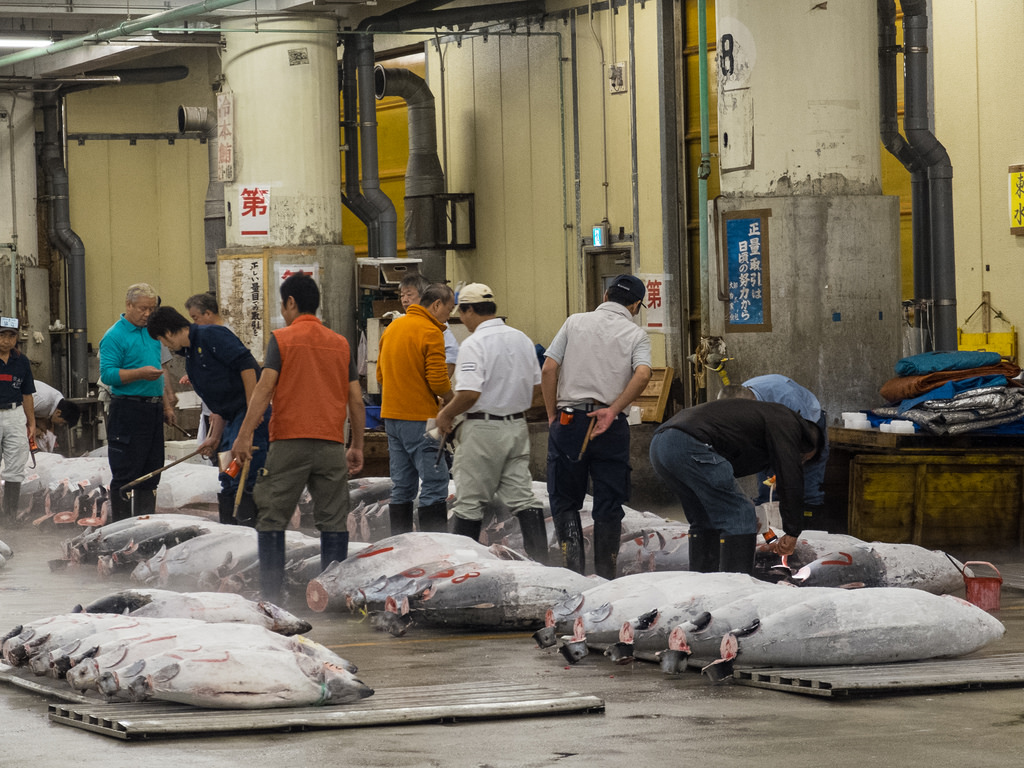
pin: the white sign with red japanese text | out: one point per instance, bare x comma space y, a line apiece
225, 137
281, 273
254, 210
656, 300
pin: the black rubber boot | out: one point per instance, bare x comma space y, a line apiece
606, 549
401, 517
434, 517
120, 507
737, 553
570, 539
535, 535
226, 507
333, 547
145, 502
246, 513
463, 527
271, 551
12, 497
704, 550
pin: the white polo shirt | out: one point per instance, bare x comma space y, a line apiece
597, 353
500, 363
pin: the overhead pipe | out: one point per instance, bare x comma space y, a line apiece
407, 19
940, 172
894, 142
425, 222
202, 120
123, 29
69, 244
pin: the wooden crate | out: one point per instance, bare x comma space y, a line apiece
654, 398
953, 500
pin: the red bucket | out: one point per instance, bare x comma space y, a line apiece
983, 591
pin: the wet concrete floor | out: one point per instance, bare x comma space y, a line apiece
650, 718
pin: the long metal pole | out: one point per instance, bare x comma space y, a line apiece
705, 167
121, 30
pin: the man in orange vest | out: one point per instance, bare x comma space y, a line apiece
307, 366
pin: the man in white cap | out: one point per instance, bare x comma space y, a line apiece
497, 377
17, 415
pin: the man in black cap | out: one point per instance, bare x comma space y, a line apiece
597, 365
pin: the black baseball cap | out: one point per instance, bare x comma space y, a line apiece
632, 285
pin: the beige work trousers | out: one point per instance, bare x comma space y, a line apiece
492, 463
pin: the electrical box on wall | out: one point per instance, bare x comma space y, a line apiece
617, 77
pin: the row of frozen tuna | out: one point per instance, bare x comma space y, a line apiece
725, 617
204, 649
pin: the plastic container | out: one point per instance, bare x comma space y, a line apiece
854, 416
983, 591
856, 424
373, 419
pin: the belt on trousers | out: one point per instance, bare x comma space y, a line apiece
492, 417
583, 407
9, 406
138, 398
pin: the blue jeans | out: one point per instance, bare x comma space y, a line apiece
412, 458
260, 440
704, 483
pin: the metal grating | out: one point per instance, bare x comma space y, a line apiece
420, 704
911, 677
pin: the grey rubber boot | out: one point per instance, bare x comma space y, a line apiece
606, 549
434, 517
570, 539
333, 547
535, 535
12, 497
401, 517
271, 552
470, 528
704, 550
737, 553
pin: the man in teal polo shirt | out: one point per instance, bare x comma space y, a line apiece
130, 366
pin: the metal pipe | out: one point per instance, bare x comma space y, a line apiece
70, 245
13, 245
351, 197
402, 21
121, 30
704, 172
940, 172
425, 224
894, 142
202, 120
386, 216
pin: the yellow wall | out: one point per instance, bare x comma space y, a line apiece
139, 209
979, 114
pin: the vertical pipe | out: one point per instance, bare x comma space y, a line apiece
705, 165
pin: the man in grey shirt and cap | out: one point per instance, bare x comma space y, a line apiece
597, 365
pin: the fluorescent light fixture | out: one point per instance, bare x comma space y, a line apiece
24, 42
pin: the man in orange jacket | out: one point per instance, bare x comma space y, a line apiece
307, 365
413, 375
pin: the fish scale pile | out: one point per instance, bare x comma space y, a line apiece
210, 650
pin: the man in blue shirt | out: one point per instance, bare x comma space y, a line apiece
223, 373
17, 415
130, 366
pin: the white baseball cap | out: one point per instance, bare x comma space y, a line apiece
8, 324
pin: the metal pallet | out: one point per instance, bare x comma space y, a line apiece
396, 706
911, 677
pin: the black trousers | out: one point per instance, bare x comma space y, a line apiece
135, 442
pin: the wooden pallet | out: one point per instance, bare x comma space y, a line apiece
910, 677
654, 398
396, 706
